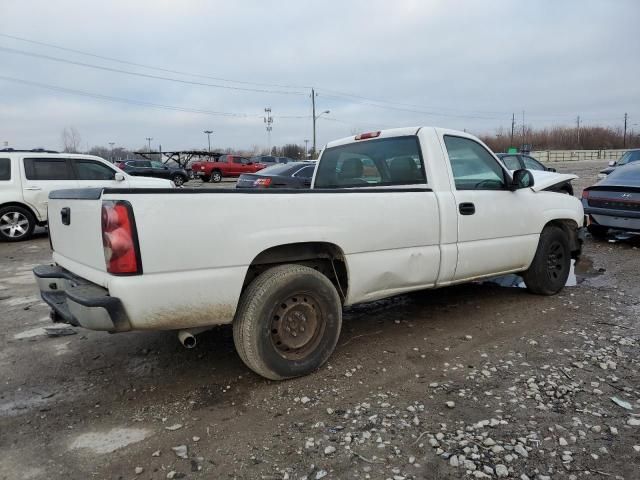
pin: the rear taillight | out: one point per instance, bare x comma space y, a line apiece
364, 136
262, 182
120, 239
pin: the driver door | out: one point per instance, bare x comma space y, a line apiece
495, 231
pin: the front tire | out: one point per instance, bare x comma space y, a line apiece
288, 322
549, 270
16, 224
179, 180
216, 177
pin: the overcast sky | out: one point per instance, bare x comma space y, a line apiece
375, 64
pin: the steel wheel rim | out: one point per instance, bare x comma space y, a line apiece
555, 261
14, 224
216, 177
296, 327
178, 181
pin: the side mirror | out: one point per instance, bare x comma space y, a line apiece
522, 179
551, 169
612, 163
118, 177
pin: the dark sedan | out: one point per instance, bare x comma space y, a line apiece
284, 175
146, 168
614, 202
516, 161
628, 157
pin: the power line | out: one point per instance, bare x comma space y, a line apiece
145, 75
125, 100
160, 69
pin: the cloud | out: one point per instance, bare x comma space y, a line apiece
458, 64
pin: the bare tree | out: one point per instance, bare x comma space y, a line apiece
71, 140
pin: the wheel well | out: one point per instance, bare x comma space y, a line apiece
325, 257
570, 227
22, 205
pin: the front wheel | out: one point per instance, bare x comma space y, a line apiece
216, 177
548, 272
179, 180
16, 224
288, 322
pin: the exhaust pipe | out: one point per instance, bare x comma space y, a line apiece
187, 337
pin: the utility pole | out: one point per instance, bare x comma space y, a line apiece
624, 138
268, 120
578, 129
522, 129
209, 132
513, 127
313, 115
111, 144
149, 140
306, 148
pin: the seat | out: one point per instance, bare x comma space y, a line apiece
351, 172
404, 170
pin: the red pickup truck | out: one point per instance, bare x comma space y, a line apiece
225, 166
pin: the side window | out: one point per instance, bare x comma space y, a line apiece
532, 164
5, 169
237, 160
306, 172
474, 168
89, 170
47, 169
511, 162
143, 164
157, 165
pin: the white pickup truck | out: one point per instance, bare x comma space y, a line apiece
388, 212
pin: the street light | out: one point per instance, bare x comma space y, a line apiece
111, 144
209, 132
149, 140
316, 117
306, 148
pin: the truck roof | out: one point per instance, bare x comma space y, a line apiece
399, 132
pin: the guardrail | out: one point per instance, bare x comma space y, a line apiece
576, 155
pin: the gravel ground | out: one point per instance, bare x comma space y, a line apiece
474, 381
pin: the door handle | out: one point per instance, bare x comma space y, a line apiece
467, 208
33, 188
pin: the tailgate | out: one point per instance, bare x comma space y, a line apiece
75, 226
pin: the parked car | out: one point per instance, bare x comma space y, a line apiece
151, 168
289, 175
628, 157
270, 159
614, 202
28, 176
516, 161
225, 166
286, 262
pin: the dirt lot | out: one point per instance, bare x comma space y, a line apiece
471, 381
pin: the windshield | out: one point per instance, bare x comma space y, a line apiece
385, 161
277, 169
630, 175
632, 156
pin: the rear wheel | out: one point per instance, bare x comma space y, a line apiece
216, 176
549, 270
597, 231
288, 322
179, 180
16, 224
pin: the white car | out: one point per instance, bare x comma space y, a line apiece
388, 212
28, 176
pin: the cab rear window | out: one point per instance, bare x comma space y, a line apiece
5, 169
385, 161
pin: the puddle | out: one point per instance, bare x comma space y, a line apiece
578, 273
109, 441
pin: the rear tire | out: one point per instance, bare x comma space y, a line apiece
216, 176
598, 231
179, 180
16, 224
549, 270
288, 322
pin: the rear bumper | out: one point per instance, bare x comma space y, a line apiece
79, 302
617, 219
